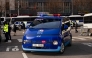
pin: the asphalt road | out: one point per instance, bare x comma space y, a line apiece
81, 48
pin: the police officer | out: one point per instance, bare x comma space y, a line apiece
5, 30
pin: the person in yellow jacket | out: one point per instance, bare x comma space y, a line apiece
5, 30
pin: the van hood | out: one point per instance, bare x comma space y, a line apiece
44, 31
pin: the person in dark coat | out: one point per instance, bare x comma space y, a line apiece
23, 26
14, 29
76, 27
9, 31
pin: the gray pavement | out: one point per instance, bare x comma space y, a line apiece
81, 48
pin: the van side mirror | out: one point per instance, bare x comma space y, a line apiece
65, 27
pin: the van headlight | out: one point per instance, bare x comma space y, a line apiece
55, 42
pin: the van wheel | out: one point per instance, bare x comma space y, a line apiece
70, 43
62, 48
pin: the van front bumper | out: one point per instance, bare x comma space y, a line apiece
42, 50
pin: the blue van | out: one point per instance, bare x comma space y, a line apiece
47, 34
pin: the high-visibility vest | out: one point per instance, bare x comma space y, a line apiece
5, 28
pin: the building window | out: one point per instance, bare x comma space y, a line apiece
39, 4
66, 3
29, 4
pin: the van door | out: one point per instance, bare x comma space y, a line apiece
68, 33
64, 33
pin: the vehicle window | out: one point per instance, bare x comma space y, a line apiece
65, 22
68, 24
22, 19
8, 19
28, 22
16, 22
2, 19
88, 19
46, 23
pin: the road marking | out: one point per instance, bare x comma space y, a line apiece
12, 48
7, 49
88, 44
15, 48
24, 55
73, 39
79, 38
82, 38
20, 40
88, 37
85, 37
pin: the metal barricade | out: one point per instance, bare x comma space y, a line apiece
84, 31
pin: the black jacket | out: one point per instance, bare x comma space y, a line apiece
9, 28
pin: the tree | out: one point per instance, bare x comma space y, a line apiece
82, 6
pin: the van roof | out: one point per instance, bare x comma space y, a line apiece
89, 14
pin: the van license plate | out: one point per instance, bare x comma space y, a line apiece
38, 45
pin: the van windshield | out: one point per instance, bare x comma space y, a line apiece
45, 23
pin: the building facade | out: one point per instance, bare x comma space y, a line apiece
31, 7
2, 7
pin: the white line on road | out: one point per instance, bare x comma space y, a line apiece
79, 38
24, 55
73, 39
88, 37
88, 44
82, 38
7, 49
20, 40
